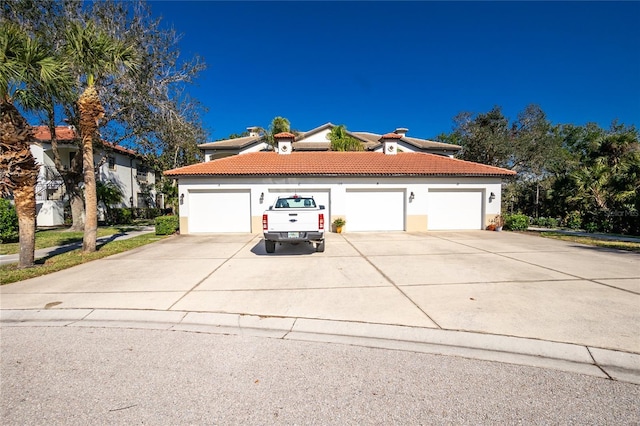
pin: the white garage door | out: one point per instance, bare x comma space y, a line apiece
375, 210
219, 211
455, 210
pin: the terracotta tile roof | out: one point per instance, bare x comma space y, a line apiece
338, 164
391, 136
120, 149
284, 135
65, 134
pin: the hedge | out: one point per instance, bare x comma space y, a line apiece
167, 225
9, 232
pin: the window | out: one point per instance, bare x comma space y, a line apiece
112, 162
142, 173
142, 201
295, 203
72, 155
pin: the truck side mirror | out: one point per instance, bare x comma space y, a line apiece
270, 207
321, 207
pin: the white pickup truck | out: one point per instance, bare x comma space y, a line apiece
293, 219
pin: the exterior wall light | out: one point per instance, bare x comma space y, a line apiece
181, 199
411, 196
492, 197
261, 197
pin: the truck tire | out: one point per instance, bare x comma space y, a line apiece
320, 247
270, 246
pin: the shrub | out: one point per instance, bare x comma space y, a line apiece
516, 222
122, 216
547, 222
146, 212
167, 225
574, 220
8, 222
591, 227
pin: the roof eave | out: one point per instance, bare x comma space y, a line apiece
493, 175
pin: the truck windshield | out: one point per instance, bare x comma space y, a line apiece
295, 203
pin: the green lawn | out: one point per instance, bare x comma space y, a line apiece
59, 237
11, 273
593, 241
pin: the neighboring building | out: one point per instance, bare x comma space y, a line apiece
117, 164
384, 190
317, 140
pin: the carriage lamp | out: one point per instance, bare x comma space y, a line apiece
492, 197
181, 199
411, 196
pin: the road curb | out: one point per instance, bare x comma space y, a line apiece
598, 362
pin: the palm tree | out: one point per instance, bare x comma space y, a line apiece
342, 141
26, 66
94, 54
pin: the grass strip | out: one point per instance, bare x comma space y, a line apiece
593, 241
61, 237
11, 273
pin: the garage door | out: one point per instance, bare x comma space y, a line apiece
455, 210
375, 210
219, 211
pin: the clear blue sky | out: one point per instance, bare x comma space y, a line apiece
375, 66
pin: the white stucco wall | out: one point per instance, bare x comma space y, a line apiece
125, 175
336, 190
321, 136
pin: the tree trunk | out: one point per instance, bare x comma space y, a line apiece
91, 111
25, 199
90, 197
18, 175
77, 212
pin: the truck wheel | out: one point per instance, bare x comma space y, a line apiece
320, 247
270, 246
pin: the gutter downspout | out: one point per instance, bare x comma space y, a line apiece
131, 173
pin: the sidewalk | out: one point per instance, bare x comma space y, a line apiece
52, 251
627, 239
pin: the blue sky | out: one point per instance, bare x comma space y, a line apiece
375, 66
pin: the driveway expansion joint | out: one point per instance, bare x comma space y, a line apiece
597, 365
390, 281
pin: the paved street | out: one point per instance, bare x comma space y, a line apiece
79, 376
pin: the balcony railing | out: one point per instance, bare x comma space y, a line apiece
49, 181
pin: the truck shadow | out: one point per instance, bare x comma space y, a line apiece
300, 249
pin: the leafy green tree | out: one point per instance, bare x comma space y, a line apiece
342, 141
485, 138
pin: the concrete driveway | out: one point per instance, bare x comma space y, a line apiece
486, 282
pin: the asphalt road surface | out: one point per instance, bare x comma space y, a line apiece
122, 376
